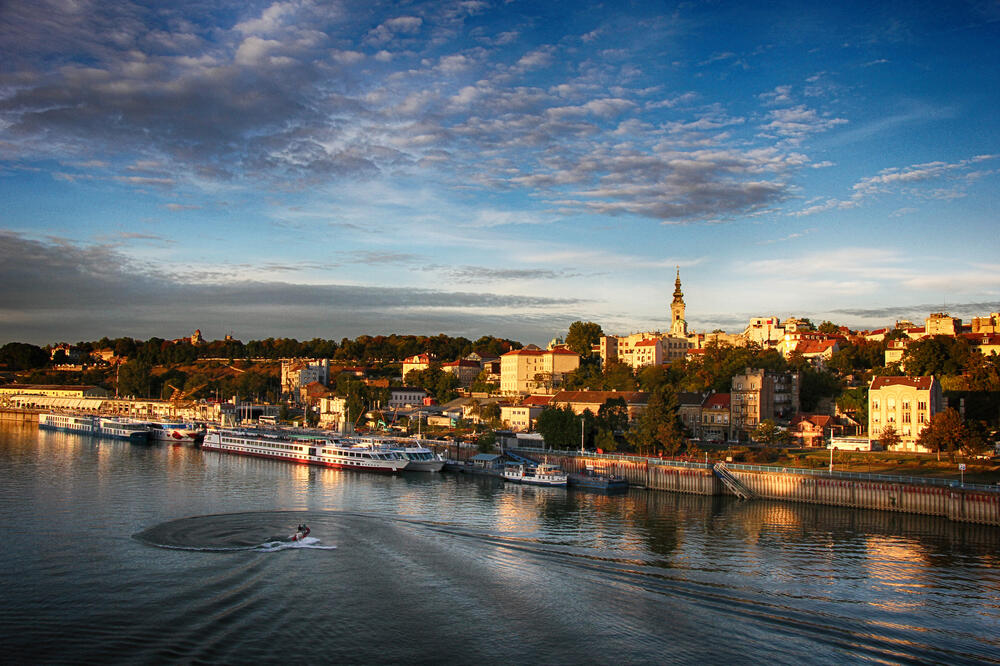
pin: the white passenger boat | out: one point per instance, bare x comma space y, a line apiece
78, 423
115, 428
336, 452
542, 474
421, 458
177, 432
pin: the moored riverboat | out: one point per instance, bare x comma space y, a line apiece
542, 474
127, 429
83, 424
592, 479
177, 432
421, 458
335, 452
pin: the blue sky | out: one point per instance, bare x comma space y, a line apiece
301, 169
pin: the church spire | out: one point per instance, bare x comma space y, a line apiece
678, 325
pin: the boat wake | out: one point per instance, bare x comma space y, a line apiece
229, 533
284, 544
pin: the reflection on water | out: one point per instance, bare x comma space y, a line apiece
455, 568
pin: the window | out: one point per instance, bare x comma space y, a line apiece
875, 404
922, 418
922, 406
906, 417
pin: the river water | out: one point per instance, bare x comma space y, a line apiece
119, 553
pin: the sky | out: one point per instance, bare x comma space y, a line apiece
331, 169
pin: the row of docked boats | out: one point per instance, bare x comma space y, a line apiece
316, 447
366, 454
133, 430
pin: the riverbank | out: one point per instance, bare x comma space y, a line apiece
926, 496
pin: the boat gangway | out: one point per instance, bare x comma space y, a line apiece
731, 482
521, 459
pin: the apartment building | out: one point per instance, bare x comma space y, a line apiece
417, 362
757, 395
297, 372
714, 425
534, 370
905, 403
465, 370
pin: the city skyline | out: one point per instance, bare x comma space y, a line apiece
296, 169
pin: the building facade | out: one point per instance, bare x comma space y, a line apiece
534, 370
465, 370
906, 404
715, 418
298, 372
758, 395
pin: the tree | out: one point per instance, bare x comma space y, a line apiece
482, 383
946, 432
613, 415
815, 385
133, 379
582, 337
619, 377
854, 401
829, 328
486, 442
889, 438
939, 355
490, 414
605, 440
22, 356
587, 377
767, 433
659, 428
559, 427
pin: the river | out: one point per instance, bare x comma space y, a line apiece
121, 553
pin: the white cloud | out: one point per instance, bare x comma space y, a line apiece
797, 122
270, 20
780, 95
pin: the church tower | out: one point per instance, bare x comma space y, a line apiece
678, 326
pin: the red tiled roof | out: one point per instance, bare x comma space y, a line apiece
536, 400
983, 338
818, 420
922, 383
419, 358
718, 401
539, 352
814, 346
646, 343
464, 363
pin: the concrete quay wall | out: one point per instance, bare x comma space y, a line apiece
647, 474
955, 503
18, 415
